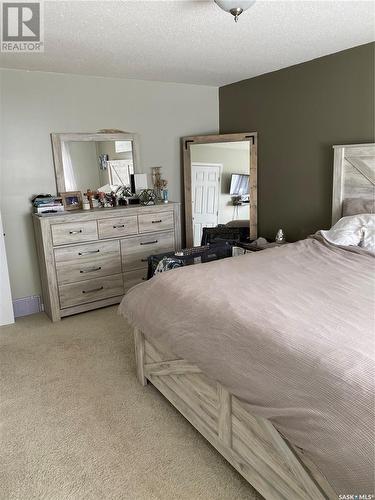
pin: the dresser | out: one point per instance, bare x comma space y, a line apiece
89, 259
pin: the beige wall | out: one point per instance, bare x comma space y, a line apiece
234, 161
34, 104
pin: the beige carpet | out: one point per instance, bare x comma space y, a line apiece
75, 424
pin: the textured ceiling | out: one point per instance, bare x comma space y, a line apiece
192, 41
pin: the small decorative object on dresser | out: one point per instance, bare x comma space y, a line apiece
156, 179
140, 182
46, 203
85, 203
147, 197
159, 184
164, 192
72, 200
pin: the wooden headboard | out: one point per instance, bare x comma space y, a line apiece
353, 175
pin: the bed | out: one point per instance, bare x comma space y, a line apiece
278, 377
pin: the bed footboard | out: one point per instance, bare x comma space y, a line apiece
250, 444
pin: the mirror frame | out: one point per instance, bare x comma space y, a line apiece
58, 151
252, 138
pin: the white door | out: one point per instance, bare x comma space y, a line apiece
6, 306
205, 189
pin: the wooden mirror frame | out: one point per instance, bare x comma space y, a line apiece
252, 138
58, 150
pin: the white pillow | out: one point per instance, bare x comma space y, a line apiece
354, 230
368, 240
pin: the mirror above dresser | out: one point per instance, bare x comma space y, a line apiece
96, 161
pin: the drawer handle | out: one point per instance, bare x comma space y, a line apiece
93, 290
89, 252
91, 270
76, 232
156, 221
149, 242
144, 260
119, 226
144, 279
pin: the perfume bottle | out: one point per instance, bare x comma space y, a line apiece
85, 203
280, 237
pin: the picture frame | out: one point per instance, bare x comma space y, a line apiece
72, 200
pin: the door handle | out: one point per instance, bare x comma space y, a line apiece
149, 242
89, 252
93, 290
91, 270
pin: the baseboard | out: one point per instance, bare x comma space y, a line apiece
27, 305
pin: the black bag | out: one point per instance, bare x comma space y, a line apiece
223, 233
189, 256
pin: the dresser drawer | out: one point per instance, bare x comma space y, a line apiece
135, 251
74, 232
82, 262
91, 290
132, 278
148, 223
117, 227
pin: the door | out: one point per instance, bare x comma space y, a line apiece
205, 191
6, 306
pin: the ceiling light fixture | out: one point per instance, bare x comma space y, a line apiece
234, 7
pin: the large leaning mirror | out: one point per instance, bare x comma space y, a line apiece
100, 162
220, 180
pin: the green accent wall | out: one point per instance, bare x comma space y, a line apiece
299, 113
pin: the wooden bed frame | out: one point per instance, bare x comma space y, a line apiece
252, 444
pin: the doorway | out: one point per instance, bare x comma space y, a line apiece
205, 179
